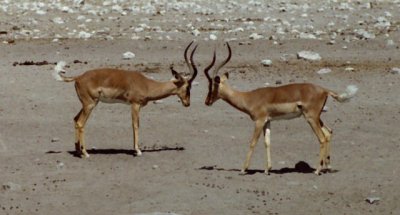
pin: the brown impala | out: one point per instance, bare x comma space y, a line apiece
120, 86
275, 103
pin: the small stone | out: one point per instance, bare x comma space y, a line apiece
349, 69
155, 167
128, 55
363, 34
55, 139
395, 70
195, 32
266, 62
372, 200
60, 165
255, 36
324, 71
278, 82
308, 55
307, 36
213, 37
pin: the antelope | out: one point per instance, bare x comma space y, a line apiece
120, 86
267, 104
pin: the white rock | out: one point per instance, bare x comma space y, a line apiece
308, 55
307, 36
195, 32
58, 20
128, 55
139, 29
363, 34
155, 167
213, 37
349, 69
84, 35
255, 36
372, 200
324, 71
159, 101
266, 62
41, 12
395, 70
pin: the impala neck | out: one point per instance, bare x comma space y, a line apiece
159, 90
235, 98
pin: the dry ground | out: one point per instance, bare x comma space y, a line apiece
192, 156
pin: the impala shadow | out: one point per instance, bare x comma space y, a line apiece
124, 151
300, 167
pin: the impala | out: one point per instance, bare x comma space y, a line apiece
267, 104
120, 86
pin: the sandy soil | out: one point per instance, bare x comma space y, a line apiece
192, 156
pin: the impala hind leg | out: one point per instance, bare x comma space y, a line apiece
267, 135
80, 121
254, 140
135, 125
328, 135
316, 126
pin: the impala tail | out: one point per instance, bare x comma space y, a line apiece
351, 90
58, 69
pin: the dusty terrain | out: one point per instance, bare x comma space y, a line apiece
192, 156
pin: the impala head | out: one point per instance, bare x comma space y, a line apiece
184, 84
216, 82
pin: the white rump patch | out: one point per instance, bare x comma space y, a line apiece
58, 69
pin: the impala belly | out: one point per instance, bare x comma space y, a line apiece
108, 95
285, 111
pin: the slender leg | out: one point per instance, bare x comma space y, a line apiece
267, 134
315, 125
254, 140
80, 125
328, 135
135, 125
77, 134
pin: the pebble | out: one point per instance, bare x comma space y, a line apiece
324, 71
128, 55
395, 70
308, 55
266, 62
372, 200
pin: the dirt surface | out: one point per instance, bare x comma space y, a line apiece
192, 156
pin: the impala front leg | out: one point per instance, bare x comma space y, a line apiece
267, 134
135, 126
254, 140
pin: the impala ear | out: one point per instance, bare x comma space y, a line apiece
226, 75
175, 73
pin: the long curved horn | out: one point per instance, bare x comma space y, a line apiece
224, 62
209, 67
194, 68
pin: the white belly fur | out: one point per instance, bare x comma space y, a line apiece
111, 100
287, 116
288, 110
